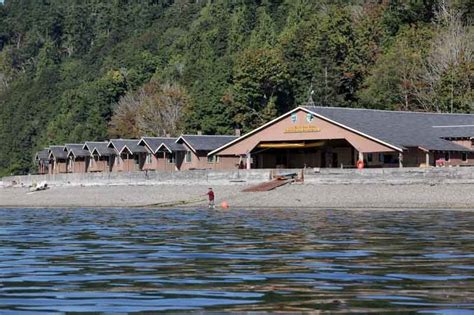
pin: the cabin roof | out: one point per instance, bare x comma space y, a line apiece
57, 152
131, 145
205, 142
76, 150
100, 148
42, 155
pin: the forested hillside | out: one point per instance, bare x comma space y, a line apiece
76, 70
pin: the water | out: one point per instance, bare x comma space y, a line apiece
129, 260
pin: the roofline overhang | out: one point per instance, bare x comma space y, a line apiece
317, 115
128, 149
142, 140
164, 145
187, 143
85, 147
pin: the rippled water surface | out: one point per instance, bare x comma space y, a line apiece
129, 260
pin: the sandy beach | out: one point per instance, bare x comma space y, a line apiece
366, 196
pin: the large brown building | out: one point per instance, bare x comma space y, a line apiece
341, 137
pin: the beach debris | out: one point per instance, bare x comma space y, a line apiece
39, 187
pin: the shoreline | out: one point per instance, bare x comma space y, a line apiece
382, 197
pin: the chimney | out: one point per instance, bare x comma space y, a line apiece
199, 133
237, 132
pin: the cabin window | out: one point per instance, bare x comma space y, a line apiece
148, 158
381, 157
370, 157
447, 156
464, 156
211, 159
188, 157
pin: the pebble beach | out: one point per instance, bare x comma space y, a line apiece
293, 196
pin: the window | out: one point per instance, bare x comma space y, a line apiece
187, 157
148, 158
447, 156
213, 159
370, 157
381, 157
464, 156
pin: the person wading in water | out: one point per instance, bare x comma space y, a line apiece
210, 194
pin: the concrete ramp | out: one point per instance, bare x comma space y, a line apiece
268, 185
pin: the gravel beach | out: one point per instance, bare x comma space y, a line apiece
362, 196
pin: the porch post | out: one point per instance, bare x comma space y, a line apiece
361, 156
427, 159
400, 160
249, 161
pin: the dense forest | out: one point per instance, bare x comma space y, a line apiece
76, 70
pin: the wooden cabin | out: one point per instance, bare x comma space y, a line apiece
57, 159
130, 156
101, 156
197, 148
77, 158
42, 161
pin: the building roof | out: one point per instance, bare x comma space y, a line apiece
76, 150
131, 145
205, 142
464, 131
170, 145
400, 129
42, 155
156, 144
57, 152
101, 148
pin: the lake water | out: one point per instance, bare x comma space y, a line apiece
140, 260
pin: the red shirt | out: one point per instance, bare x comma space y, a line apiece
211, 195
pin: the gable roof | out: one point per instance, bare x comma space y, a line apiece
57, 152
171, 146
205, 142
76, 150
42, 155
394, 129
100, 148
154, 143
397, 128
130, 145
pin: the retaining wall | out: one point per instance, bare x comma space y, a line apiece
464, 175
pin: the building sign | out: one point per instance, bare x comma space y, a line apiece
302, 129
